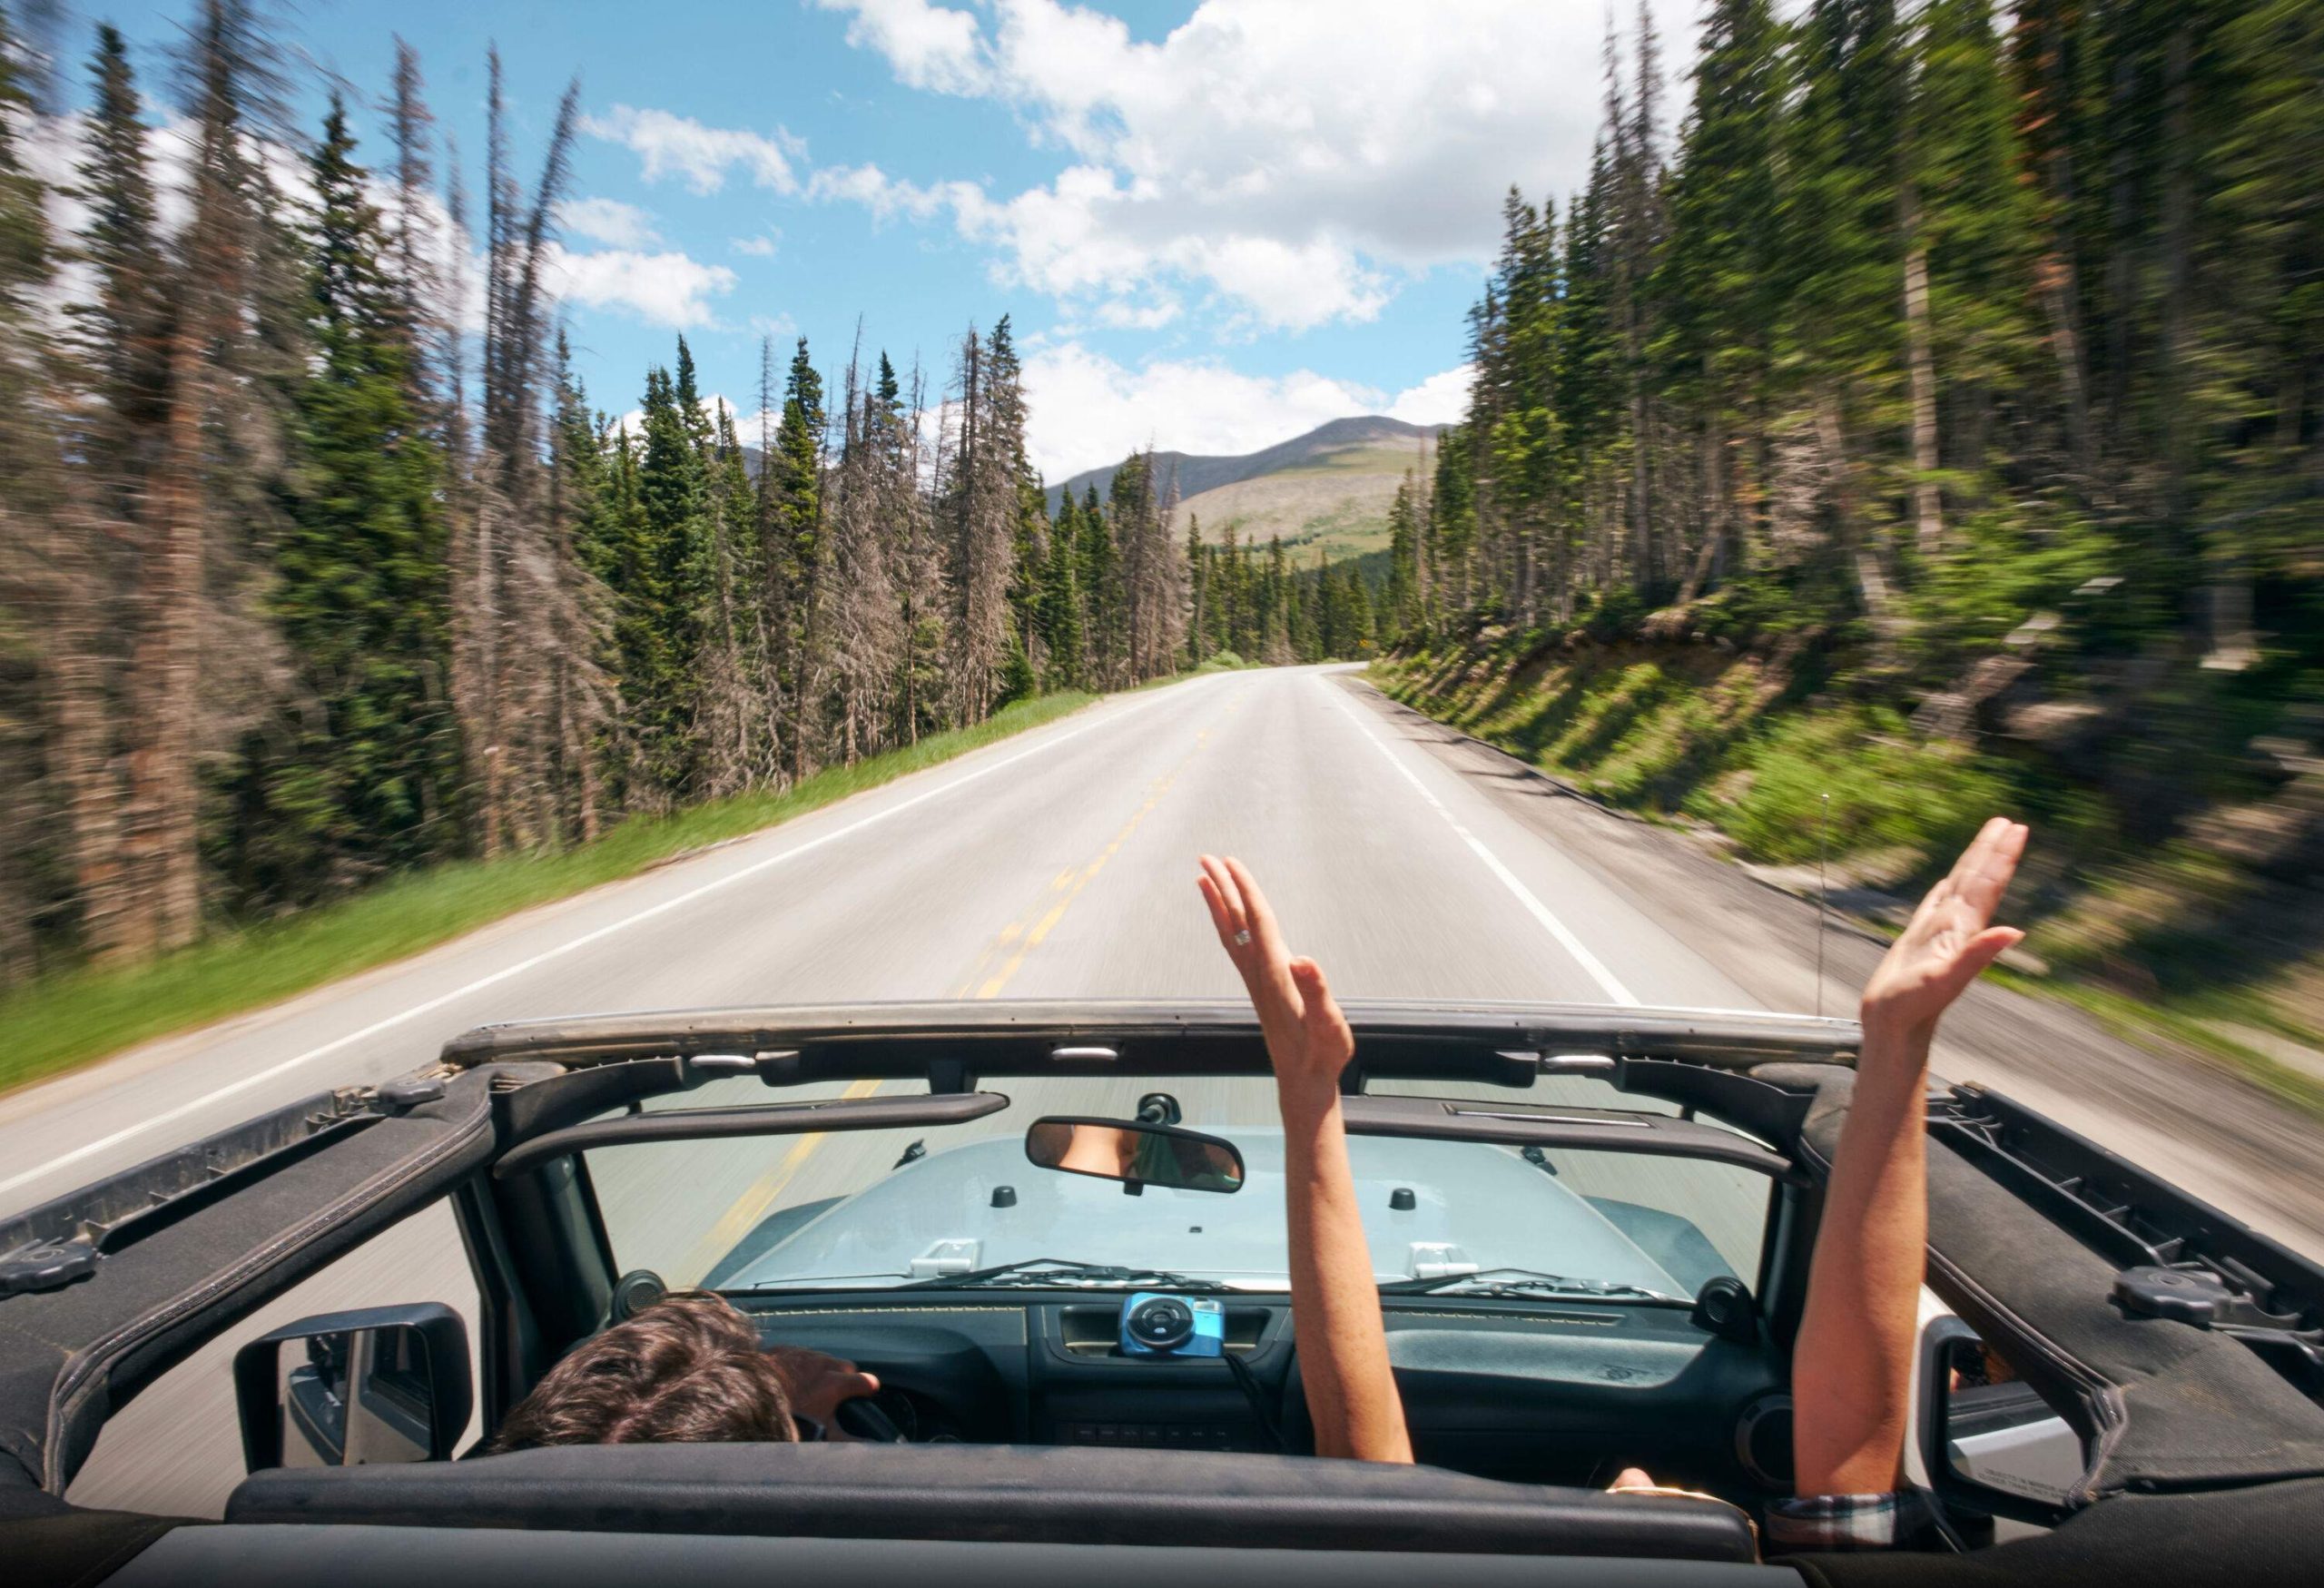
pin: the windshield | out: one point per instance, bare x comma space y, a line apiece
882, 1208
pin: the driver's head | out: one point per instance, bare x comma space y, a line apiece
687, 1370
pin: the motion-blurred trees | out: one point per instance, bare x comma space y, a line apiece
303, 582
1934, 314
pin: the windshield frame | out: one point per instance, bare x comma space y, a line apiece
1698, 1064
961, 1208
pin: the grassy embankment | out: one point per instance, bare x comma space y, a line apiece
2168, 936
69, 1018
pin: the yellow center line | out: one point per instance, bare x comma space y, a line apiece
760, 1200
1032, 939
756, 1203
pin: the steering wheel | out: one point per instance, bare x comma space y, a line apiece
865, 1419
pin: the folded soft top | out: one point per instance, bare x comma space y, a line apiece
1001, 1493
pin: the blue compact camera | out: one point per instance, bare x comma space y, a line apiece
1154, 1324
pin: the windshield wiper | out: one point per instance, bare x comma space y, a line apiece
1524, 1282
1065, 1272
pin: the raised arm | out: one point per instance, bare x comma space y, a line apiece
1853, 1363
1335, 1302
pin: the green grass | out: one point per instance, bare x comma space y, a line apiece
2190, 1026
72, 1018
1715, 738
1729, 742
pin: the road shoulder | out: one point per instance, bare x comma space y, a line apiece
2174, 1111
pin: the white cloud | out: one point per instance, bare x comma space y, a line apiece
1294, 161
759, 247
1085, 409
608, 220
780, 327
746, 426
680, 147
1151, 316
1441, 399
887, 197
930, 47
666, 288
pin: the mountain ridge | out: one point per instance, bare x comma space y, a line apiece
1196, 473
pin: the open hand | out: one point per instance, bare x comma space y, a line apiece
1950, 939
1308, 1040
817, 1382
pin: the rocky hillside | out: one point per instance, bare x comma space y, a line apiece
1330, 487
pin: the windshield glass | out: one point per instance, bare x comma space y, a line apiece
879, 1209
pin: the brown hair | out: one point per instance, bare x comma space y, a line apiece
688, 1369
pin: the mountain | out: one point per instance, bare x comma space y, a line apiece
1330, 487
1198, 472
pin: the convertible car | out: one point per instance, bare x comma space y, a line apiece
1056, 1235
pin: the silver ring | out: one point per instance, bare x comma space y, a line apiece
1243, 938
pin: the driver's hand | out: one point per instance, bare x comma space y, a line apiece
1308, 1040
817, 1382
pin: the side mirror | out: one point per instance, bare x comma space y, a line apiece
1995, 1447
387, 1383
1137, 1155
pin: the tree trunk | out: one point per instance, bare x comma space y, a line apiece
2178, 214
2045, 126
486, 620
1716, 504
1928, 520
160, 846
84, 762
1641, 497
1872, 580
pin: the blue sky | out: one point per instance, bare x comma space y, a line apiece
1215, 226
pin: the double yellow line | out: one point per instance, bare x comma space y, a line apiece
1018, 941
760, 1200
1009, 947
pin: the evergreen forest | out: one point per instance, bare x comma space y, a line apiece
311, 575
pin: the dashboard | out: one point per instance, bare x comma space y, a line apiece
1523, 1391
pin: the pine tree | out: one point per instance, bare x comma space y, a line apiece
201, 666
123, 327
1198, 593
55, 736
1722, 272
672, 586
867, 603
1100, 573
1029, 544
1403, 557
728, 712
1062, 605
582, 506
794, 549
359, 775
919, 561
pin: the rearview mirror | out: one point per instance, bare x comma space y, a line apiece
388, 1384
1137, 1155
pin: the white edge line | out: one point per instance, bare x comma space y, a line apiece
1607, 981
130, 1132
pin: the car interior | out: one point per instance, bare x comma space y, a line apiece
1552, 1390
1051, 1401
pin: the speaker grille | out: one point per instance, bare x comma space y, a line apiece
1763, 1440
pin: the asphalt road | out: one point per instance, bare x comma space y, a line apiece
1057, 864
